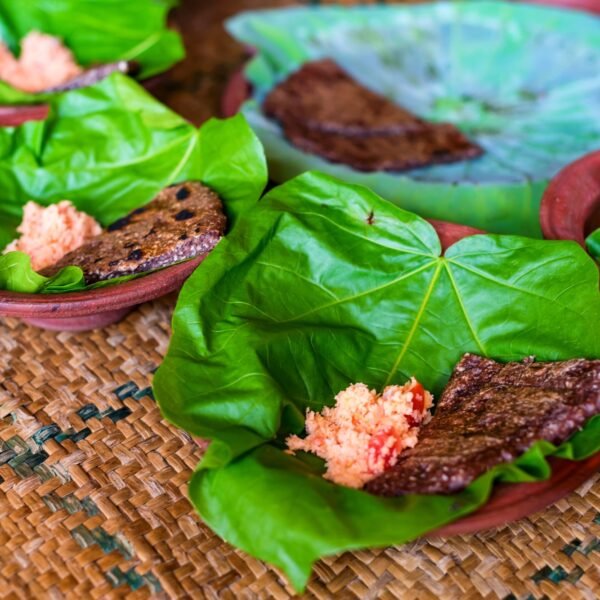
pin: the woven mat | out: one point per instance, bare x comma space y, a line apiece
93, 497
93, 481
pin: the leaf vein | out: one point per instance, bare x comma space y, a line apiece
359, 295
415, 324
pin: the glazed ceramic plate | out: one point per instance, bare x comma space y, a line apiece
483, 66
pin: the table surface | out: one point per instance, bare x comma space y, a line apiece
93, 481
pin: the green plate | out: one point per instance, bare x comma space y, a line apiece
521, 80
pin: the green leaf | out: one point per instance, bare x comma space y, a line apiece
480, 65
278, 508
323, 284
16, 275
593, 244
68, 279
112, 147
96, 32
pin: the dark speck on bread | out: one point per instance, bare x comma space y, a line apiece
135, 255
120, 223
184, 215
182, 193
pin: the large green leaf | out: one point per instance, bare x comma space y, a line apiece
96, 32
498, 70
323, 284
111, 147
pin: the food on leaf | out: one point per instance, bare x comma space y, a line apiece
52, 45
365, 432
323, 110
490, 413
50, 232
44, 63
322, 283
110, 148
324, 97
184, 221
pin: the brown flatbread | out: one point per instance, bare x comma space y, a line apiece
323, 97
380, 152
491, 413
322, 110
182, 222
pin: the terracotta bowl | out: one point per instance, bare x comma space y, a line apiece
570, 207
513, 501
82, 311
11, 116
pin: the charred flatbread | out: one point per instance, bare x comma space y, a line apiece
380, 152
322, 110
182, 222
323, 97
491, 413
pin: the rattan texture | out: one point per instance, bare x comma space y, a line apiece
93, 497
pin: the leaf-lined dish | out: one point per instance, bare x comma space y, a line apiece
478, 65
323, 284
96, 32
110, 149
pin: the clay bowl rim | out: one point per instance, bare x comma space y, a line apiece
589, 6
90, 302
572, 199
510, 502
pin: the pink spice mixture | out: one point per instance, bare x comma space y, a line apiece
48, 233
44, 63
365, 432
